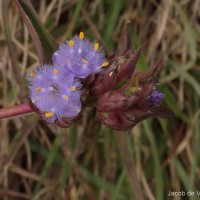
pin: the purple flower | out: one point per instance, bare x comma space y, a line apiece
80, 56
155, 97
54, 91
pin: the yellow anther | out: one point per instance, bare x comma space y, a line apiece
73, 88
48, 114
105, 64
38, 89
32, 74
55, 71
66, 98
85, 61
96, 46
68, 60
71, 43
81, 35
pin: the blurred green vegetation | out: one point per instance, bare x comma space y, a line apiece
40, 161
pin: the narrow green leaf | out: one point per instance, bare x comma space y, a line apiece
156, 160
112, 20
43, 41
119, 185
172, 103
183, 175
193, 82
190, 34
100, 182
64, 174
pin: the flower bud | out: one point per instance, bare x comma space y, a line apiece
124, 98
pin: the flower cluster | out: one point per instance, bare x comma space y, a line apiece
55, 90
123, 96
80, 57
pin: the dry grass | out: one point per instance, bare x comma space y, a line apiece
39, 161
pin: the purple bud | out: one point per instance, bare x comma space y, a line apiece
80, 57
55, 92
155, 97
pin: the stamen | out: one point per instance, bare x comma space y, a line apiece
48, 114
81, 35
85, 61
38, 89
66, 98
68, 60
73, 88
105, 64
32, 74
55, 71
96, 46
71, 43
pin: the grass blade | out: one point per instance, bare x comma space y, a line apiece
157, 165
43, 41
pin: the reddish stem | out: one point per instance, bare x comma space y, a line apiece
12, 111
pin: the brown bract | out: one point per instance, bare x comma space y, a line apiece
122, 93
